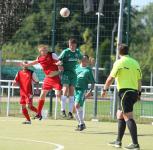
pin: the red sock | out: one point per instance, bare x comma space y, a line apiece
32, 108
40, 106
25, 113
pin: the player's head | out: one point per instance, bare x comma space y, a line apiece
85, 60
25, 68
43, 49
123, 49
72, 43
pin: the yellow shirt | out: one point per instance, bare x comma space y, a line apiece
127, 73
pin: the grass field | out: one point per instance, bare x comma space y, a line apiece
104, 109
59, 134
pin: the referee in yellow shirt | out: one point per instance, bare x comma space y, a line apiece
128, 74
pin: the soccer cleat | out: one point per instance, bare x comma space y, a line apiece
116, 144
70, 115
63, 113
38, 117
80, 127
26, 122
133, 147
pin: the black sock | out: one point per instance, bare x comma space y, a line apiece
121, 129
133, 130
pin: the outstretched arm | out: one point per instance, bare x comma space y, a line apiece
30, 64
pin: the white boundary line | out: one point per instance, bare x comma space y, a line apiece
58, 146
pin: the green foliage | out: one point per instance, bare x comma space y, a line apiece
141, 39
87, 47
104, 58
35, 30
21, 51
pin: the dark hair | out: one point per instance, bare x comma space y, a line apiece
73, 41
123, 49
86, 56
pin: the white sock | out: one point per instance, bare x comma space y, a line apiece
80, 115
77, 118
71, 103
63, 102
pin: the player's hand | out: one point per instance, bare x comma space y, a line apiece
23, 64
60, 68
104, 93
139, 96
88, 94
14, 84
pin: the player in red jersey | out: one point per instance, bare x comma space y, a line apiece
25, 78
48, 62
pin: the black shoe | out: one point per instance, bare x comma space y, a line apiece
26, 122
63, 113
116, 144
133, 147
80, 127
38, 117
70, 115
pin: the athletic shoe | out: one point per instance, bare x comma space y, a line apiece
133, 147
70, 115
80, 127
38, 117
63, 113
26, 122
116, 144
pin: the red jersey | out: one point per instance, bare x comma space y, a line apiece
25, 80
48, 63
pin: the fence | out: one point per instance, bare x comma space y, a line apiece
143, 109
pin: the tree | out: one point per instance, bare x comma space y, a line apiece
12, 12
36, 28
141, 39
87, 47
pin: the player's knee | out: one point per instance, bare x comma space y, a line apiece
23, 106
77, 105
65, 89
119, 114
43, 95
128, 116
29, 106
58, 93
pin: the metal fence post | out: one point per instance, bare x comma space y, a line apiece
119, 40
53, 46
97, 64
8, 99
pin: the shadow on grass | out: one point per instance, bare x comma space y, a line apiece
114, 133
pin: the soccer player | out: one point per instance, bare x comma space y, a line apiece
25, 78
84, 77
127, 72
48, 62
69, 58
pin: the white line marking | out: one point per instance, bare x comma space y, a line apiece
58, 146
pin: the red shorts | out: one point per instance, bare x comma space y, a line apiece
26, 100
52, 83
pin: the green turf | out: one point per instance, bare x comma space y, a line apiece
104, 109
41, 135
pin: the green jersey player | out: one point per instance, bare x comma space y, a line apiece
84, 77
69, 59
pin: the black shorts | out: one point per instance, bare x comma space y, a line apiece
127, 97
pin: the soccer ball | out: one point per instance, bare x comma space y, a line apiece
64, 12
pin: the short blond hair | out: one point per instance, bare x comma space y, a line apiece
43, 46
